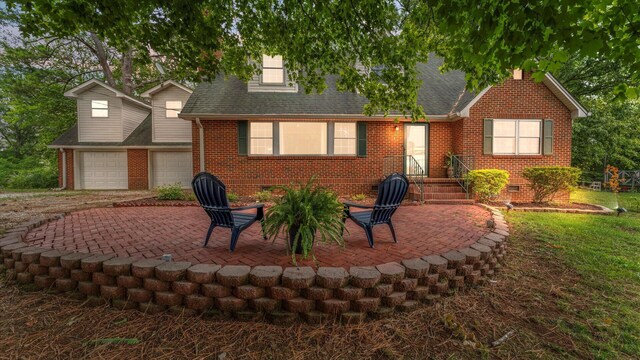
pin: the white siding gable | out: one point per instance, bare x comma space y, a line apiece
100, 129
132, 116
169, 129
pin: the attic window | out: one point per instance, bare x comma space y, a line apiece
99, 108
517, 74
272, 69
173, 108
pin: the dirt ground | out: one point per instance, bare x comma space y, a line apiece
18, 207
521, 301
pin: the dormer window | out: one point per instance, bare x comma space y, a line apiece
173, 108
272, 70
99, 108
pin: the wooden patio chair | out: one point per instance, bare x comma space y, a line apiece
391, 192
212, 196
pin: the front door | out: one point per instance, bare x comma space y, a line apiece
416, 144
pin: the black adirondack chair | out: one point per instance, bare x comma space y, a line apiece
212, 196
391, 191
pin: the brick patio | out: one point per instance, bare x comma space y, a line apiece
150, 232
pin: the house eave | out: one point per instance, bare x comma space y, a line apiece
193, 116
76, 91
119, 147
164, 85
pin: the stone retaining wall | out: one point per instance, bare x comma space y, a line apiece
247, 293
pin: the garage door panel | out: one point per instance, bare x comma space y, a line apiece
170, 167
103, 170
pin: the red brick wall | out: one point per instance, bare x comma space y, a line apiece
519, 99
246, 174
138, 168
457, 136
440, 142
70, 183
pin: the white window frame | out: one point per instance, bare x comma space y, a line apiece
354, 138
276, 136
517, 137
281, 67
99, 107
251, 138
171, 111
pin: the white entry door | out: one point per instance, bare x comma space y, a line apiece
416, 144
170, 167
103, 170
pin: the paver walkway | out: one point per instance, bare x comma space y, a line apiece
150, 232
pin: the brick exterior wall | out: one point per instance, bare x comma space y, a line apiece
440, 142
70, 182
138, 168
246, 175
519, 99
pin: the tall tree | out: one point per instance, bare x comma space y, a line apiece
334, 36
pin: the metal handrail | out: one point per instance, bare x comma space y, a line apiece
407, 165
462, 164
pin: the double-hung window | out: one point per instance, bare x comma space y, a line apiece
517, 137
302, 138
272, 69
172, 108
99, 108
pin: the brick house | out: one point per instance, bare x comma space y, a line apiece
268, 132
123, 142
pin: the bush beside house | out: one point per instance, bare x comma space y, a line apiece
487, 183
547, 181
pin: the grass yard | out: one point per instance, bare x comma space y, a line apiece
605, 252
628, 200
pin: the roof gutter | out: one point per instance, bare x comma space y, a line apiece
203, 116
201, 144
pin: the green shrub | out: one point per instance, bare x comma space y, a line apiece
264, 196
233, 197
546, 181
358, 197
487, 183
36, 178
171, 192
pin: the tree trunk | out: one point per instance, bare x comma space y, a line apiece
102, 58
127, 72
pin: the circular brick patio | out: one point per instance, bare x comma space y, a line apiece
150, 232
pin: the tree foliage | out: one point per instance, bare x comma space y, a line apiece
387, 37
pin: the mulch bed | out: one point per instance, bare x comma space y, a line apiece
554, 207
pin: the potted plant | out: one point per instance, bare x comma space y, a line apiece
300, 212
449, 164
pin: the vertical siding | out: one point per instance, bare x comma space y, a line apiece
132, 116
105, 129
255, 86
169, 129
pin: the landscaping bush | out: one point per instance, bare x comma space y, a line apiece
171, 192
37, 178
546, 181
487, 183
359, 197
264, 196
233, 197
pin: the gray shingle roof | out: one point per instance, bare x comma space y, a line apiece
438, 95
141, 136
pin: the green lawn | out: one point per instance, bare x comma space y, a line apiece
605, 252
628, 200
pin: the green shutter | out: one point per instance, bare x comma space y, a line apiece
547, 133
487, 148
243, 137
361, 139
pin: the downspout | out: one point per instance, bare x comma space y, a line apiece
201, 143
64, 169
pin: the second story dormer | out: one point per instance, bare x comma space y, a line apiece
167, 100
106, 114
274, 77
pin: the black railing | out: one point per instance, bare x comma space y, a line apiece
462, 164
407, 165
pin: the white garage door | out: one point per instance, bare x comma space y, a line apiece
170, 167
103, 170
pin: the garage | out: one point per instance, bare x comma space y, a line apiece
103, 170
170, 167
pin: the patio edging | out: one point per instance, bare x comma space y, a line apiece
251, 293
